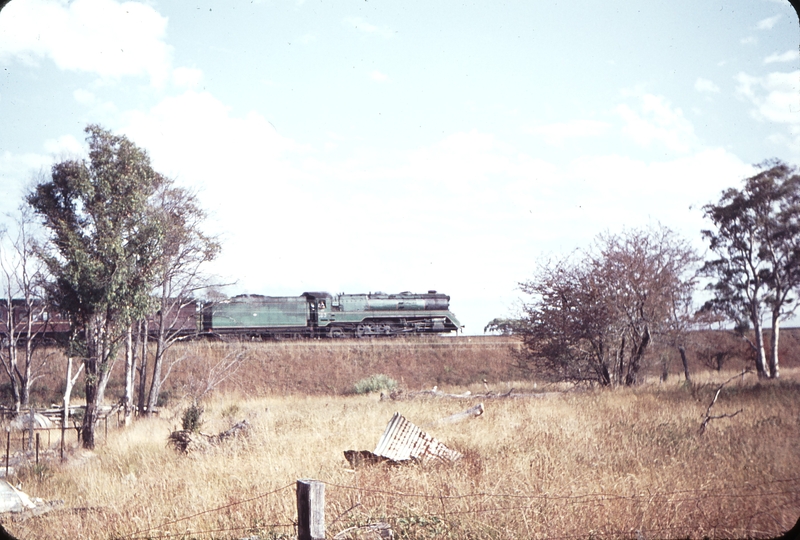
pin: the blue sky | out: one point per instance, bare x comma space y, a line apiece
371, 145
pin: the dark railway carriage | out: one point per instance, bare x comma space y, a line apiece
45, 324
320, 314
182, 317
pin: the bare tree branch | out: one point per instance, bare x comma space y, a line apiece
707, 417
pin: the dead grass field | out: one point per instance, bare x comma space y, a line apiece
624, 463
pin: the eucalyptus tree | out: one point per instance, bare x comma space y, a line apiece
103, 251
757, 266
185, 250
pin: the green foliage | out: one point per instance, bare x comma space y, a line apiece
755, 244
104, 244
374, 383
164, 397
192, 418
104, 248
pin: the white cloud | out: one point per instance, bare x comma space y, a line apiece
788, 56
768, 23
194, 134
362, 25
105, 37
64, 146
477, 209
657, 121
184, 77
83, 97
17, 172
775, 97
704, 85
306, 39
558, 132
378, 76
236, 162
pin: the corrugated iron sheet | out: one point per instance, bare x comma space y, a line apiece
403, 441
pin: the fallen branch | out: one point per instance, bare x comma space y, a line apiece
400, 395
186, 441
472, 412
708, 416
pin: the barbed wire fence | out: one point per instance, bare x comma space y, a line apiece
675, 514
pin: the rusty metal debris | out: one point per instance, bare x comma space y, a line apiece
404, 442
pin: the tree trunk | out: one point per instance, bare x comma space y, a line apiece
142, 401
130, 373
96, 348
605, 376
682, 350
11, 368
90, 415
761, 364
636, 359
69, 385
155, 384
620, 364
25, 382
106, 365
774, 369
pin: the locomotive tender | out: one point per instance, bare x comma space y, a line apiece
320, 314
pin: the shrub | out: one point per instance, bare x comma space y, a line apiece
191, 419
374, 383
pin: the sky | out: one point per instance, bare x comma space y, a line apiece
367, 145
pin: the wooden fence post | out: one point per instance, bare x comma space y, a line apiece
30, 428
310, 510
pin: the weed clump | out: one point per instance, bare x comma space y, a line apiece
191, 420
374, 383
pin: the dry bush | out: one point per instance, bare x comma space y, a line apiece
593, 464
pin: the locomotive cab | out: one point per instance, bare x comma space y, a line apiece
320, 306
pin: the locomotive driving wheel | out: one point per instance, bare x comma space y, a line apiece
363, 330
336, 333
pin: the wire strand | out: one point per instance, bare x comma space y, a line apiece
229, 505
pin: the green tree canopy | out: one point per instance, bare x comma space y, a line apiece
756, 241
103, 250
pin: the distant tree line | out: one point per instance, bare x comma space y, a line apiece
121, 249
595, 314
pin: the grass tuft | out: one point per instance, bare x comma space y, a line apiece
374, 383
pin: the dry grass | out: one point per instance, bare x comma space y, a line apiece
590, 464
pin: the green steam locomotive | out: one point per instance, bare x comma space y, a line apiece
320, 314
